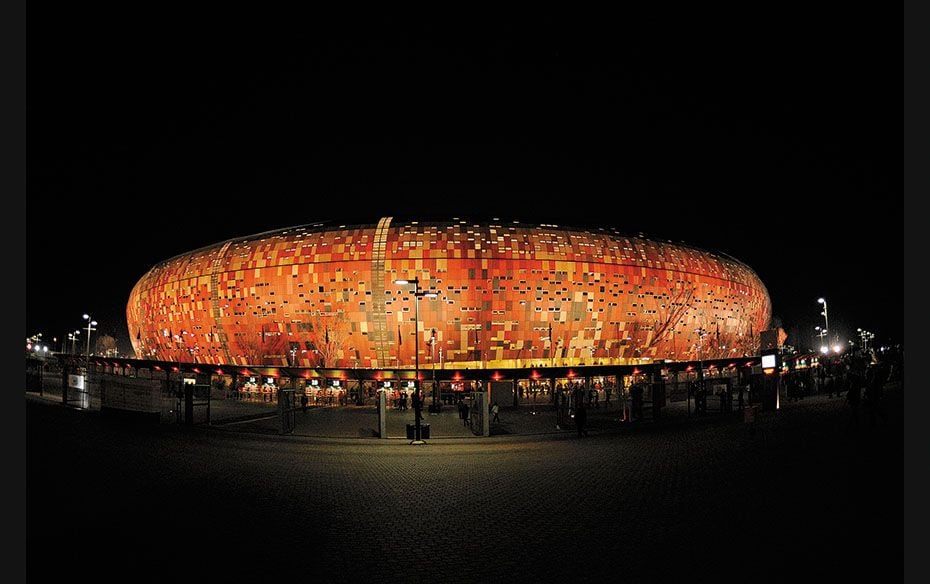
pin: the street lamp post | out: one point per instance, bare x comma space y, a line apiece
435, 407
822, 332
826, 323
865, 336
701, 334
73, 338
417, 398
35, 340
700, 404
91, 323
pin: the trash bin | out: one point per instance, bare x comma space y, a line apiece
412, 431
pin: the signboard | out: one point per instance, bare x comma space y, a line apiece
76, 381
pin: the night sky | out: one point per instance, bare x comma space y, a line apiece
772, 137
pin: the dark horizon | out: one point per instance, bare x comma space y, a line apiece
754, 144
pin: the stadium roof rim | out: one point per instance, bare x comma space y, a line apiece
317, 225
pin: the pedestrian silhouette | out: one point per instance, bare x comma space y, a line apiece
874, 389
636, 396
581, 418
854, 394
495, 411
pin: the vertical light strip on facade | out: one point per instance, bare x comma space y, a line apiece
215, 300
379, 318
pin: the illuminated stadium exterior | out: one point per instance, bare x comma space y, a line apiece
509, 295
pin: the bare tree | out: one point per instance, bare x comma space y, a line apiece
679, 301
669, 314
105, 345
328, 335
250, 345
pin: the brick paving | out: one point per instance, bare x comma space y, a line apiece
806, 496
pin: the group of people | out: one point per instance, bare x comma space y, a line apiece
865, 377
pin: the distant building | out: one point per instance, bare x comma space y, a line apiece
509, 294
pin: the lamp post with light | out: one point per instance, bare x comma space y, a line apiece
822, 332
32, 343
826, 323
865, 336
91, 323
435, 407
702, 333
73, 338
417, 400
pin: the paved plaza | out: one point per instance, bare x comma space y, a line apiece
806, 495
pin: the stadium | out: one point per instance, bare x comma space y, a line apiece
488, 294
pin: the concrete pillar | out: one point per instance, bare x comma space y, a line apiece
481, 409
382, 413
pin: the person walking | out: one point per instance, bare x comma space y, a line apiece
581, 418
495, 413
854, 395
874, 389
636, 396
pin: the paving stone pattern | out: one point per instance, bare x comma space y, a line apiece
806, 496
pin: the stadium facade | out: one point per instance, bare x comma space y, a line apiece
509, 294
